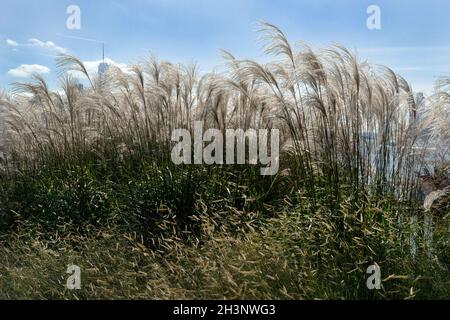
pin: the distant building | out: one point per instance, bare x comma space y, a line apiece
80, 87
102, 69
420, 98
103, 66
419, 103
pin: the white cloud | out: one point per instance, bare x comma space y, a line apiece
12, 43
92, 67
27, 70
49, 45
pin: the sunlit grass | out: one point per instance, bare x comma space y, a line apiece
86, 178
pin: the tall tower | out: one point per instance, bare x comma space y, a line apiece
103, 66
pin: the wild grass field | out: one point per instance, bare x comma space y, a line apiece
87, 179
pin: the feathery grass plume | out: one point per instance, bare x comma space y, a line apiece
352, 126
352, 123
354, 137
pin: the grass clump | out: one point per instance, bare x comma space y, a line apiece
86, 179
293, 256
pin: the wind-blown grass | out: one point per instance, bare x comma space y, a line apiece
82, 163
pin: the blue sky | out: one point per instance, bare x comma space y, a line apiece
413, 40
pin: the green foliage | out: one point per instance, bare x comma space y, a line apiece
293, 256
87, 179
